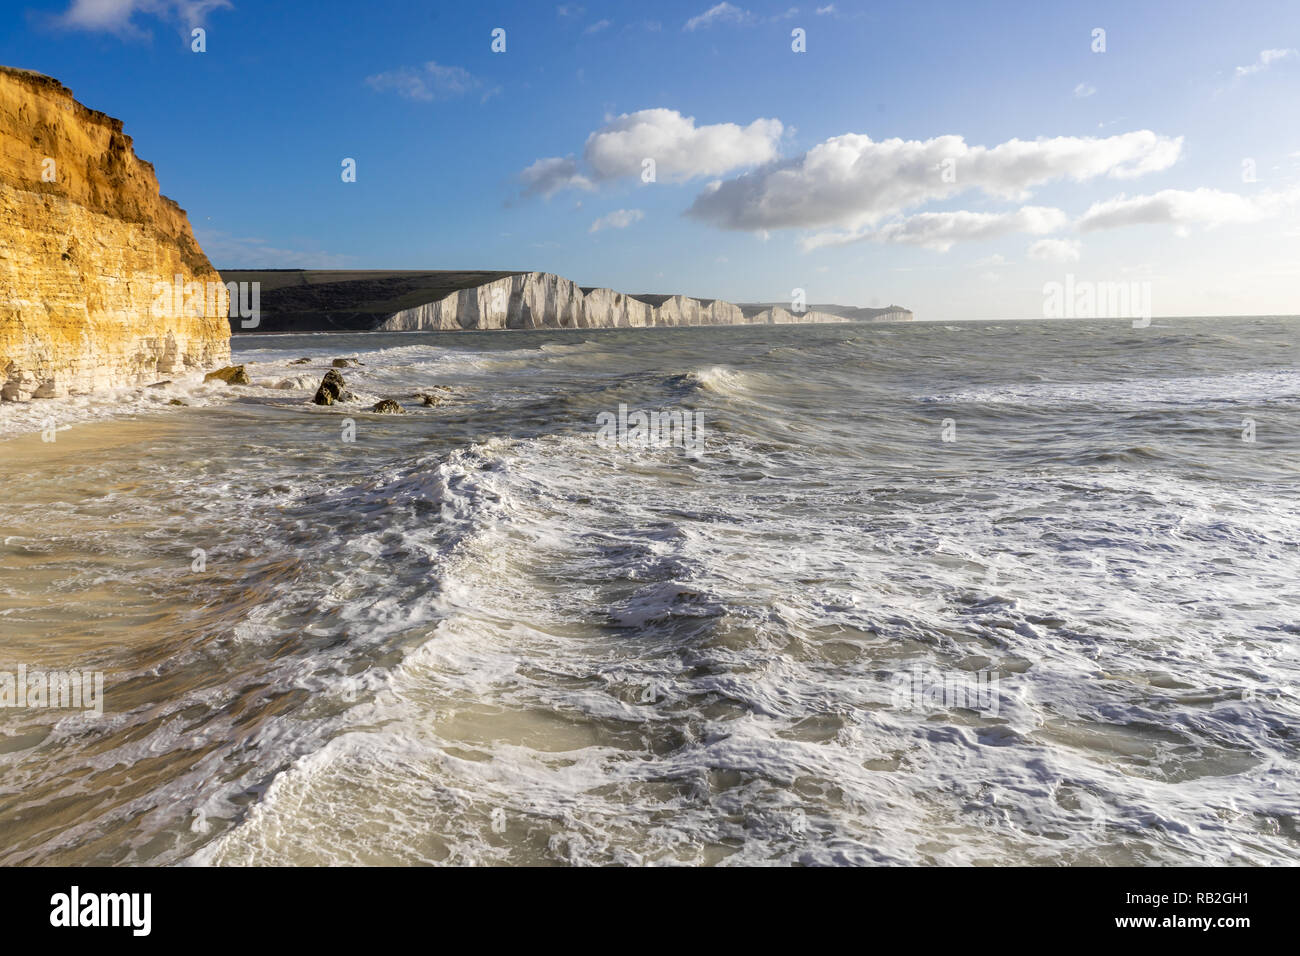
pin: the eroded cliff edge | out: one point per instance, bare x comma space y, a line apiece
87, 246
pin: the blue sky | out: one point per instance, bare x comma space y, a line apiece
822, 170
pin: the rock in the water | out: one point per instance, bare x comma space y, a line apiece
386, 406
177, 401
344, 362
301, 361
231, 375
433, 399
331, 389
166, 381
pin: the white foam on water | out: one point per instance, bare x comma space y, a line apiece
1188, 390
539, 650
749, 714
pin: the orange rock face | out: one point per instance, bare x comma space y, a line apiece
101, 280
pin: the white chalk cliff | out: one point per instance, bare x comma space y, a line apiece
542, 300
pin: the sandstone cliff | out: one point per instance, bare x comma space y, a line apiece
311, 300
101, 280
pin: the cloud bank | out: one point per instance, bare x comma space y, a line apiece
852, 181
1266, 59
1181, 207
1056, 250
429, 82
117, 16
548, 176
939, 231
618, 219
680, 150
722, 13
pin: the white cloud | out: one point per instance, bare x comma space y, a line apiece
433, 81
1084, 90
680, 149
851, 181
827, 10
548, 176
1056, 250
722, 13
1266, 59
116, 16
1181, 207
598, 26
618, 219
941, 230
570, 10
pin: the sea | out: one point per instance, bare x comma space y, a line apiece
928, 593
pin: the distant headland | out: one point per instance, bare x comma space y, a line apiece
304, 300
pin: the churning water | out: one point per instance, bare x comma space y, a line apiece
930, 593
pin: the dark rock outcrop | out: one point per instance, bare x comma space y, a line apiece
434, 398
332, 389
231, 375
